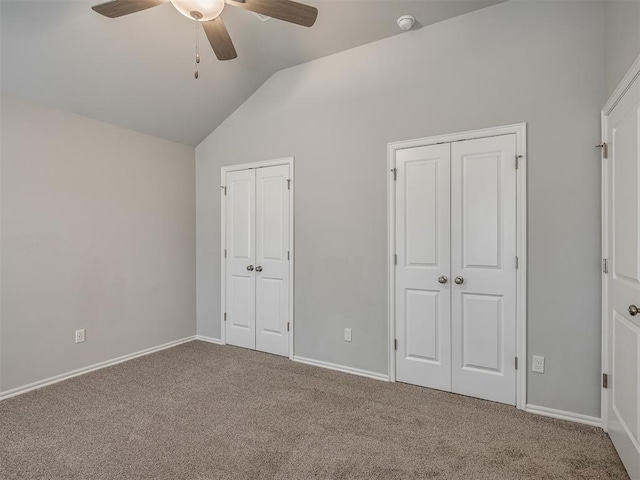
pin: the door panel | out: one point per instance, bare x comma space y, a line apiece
622, 284
240, 245
482, 331
272, 248
483, 246
422, 234
421, 337
481, 205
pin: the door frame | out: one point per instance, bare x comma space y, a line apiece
223, 230
631, 76
520, 131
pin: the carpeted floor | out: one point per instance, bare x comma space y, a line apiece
201, 411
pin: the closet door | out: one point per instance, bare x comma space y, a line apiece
483, 267
423, 355
240, 273
272, 259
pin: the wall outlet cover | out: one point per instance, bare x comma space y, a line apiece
538, 364
347, 334
80, 335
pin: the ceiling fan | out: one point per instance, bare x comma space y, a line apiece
207, 12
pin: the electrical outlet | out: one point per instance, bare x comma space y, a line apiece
80, 335
347, 334
538, 364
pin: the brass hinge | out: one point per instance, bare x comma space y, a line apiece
287, 326
605, 266
395, 173
395, 344
289, 184
605, 149
516, 363
225, 316
605, 380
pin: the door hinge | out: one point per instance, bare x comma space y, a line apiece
287, 326
225, 253
395, 173
517, 263
516, 363
225, 316
605, 380
289, 184
395, 344
395, 258
224, 189
289, 255
518, 157
605, 149
605, 266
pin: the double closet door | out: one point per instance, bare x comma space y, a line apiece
456, 267
257, 204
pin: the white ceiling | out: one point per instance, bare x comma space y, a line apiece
137, 71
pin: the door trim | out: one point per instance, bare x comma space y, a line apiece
520, 131
616, 96
223, 270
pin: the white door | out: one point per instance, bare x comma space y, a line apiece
272, 259
456, 267
240, 267
423, 304
622, 285
257, 227
483, 267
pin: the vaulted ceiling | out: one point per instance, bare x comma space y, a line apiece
137, 71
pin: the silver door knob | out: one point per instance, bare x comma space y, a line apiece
258, 268
633, 310
250, 268
459, 280
443, 279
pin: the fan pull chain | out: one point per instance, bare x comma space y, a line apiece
197, 49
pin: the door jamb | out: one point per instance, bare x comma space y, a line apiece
520, 131
223, 222
632, 75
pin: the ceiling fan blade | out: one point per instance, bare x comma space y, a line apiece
219, 39
286, 10
118, 8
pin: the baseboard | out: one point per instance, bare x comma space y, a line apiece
217, 341
81, 371
342, 368
562, 415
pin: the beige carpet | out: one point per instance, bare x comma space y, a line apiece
202, 411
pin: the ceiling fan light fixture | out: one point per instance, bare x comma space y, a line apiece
200, 10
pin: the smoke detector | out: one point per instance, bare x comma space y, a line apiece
405, 22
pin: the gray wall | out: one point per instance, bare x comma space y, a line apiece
98, 232
622, 40
535, 62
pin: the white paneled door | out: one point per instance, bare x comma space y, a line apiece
272, 263
241, 246
423, 294
456, 267
622, 284
257, 258
483, 266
